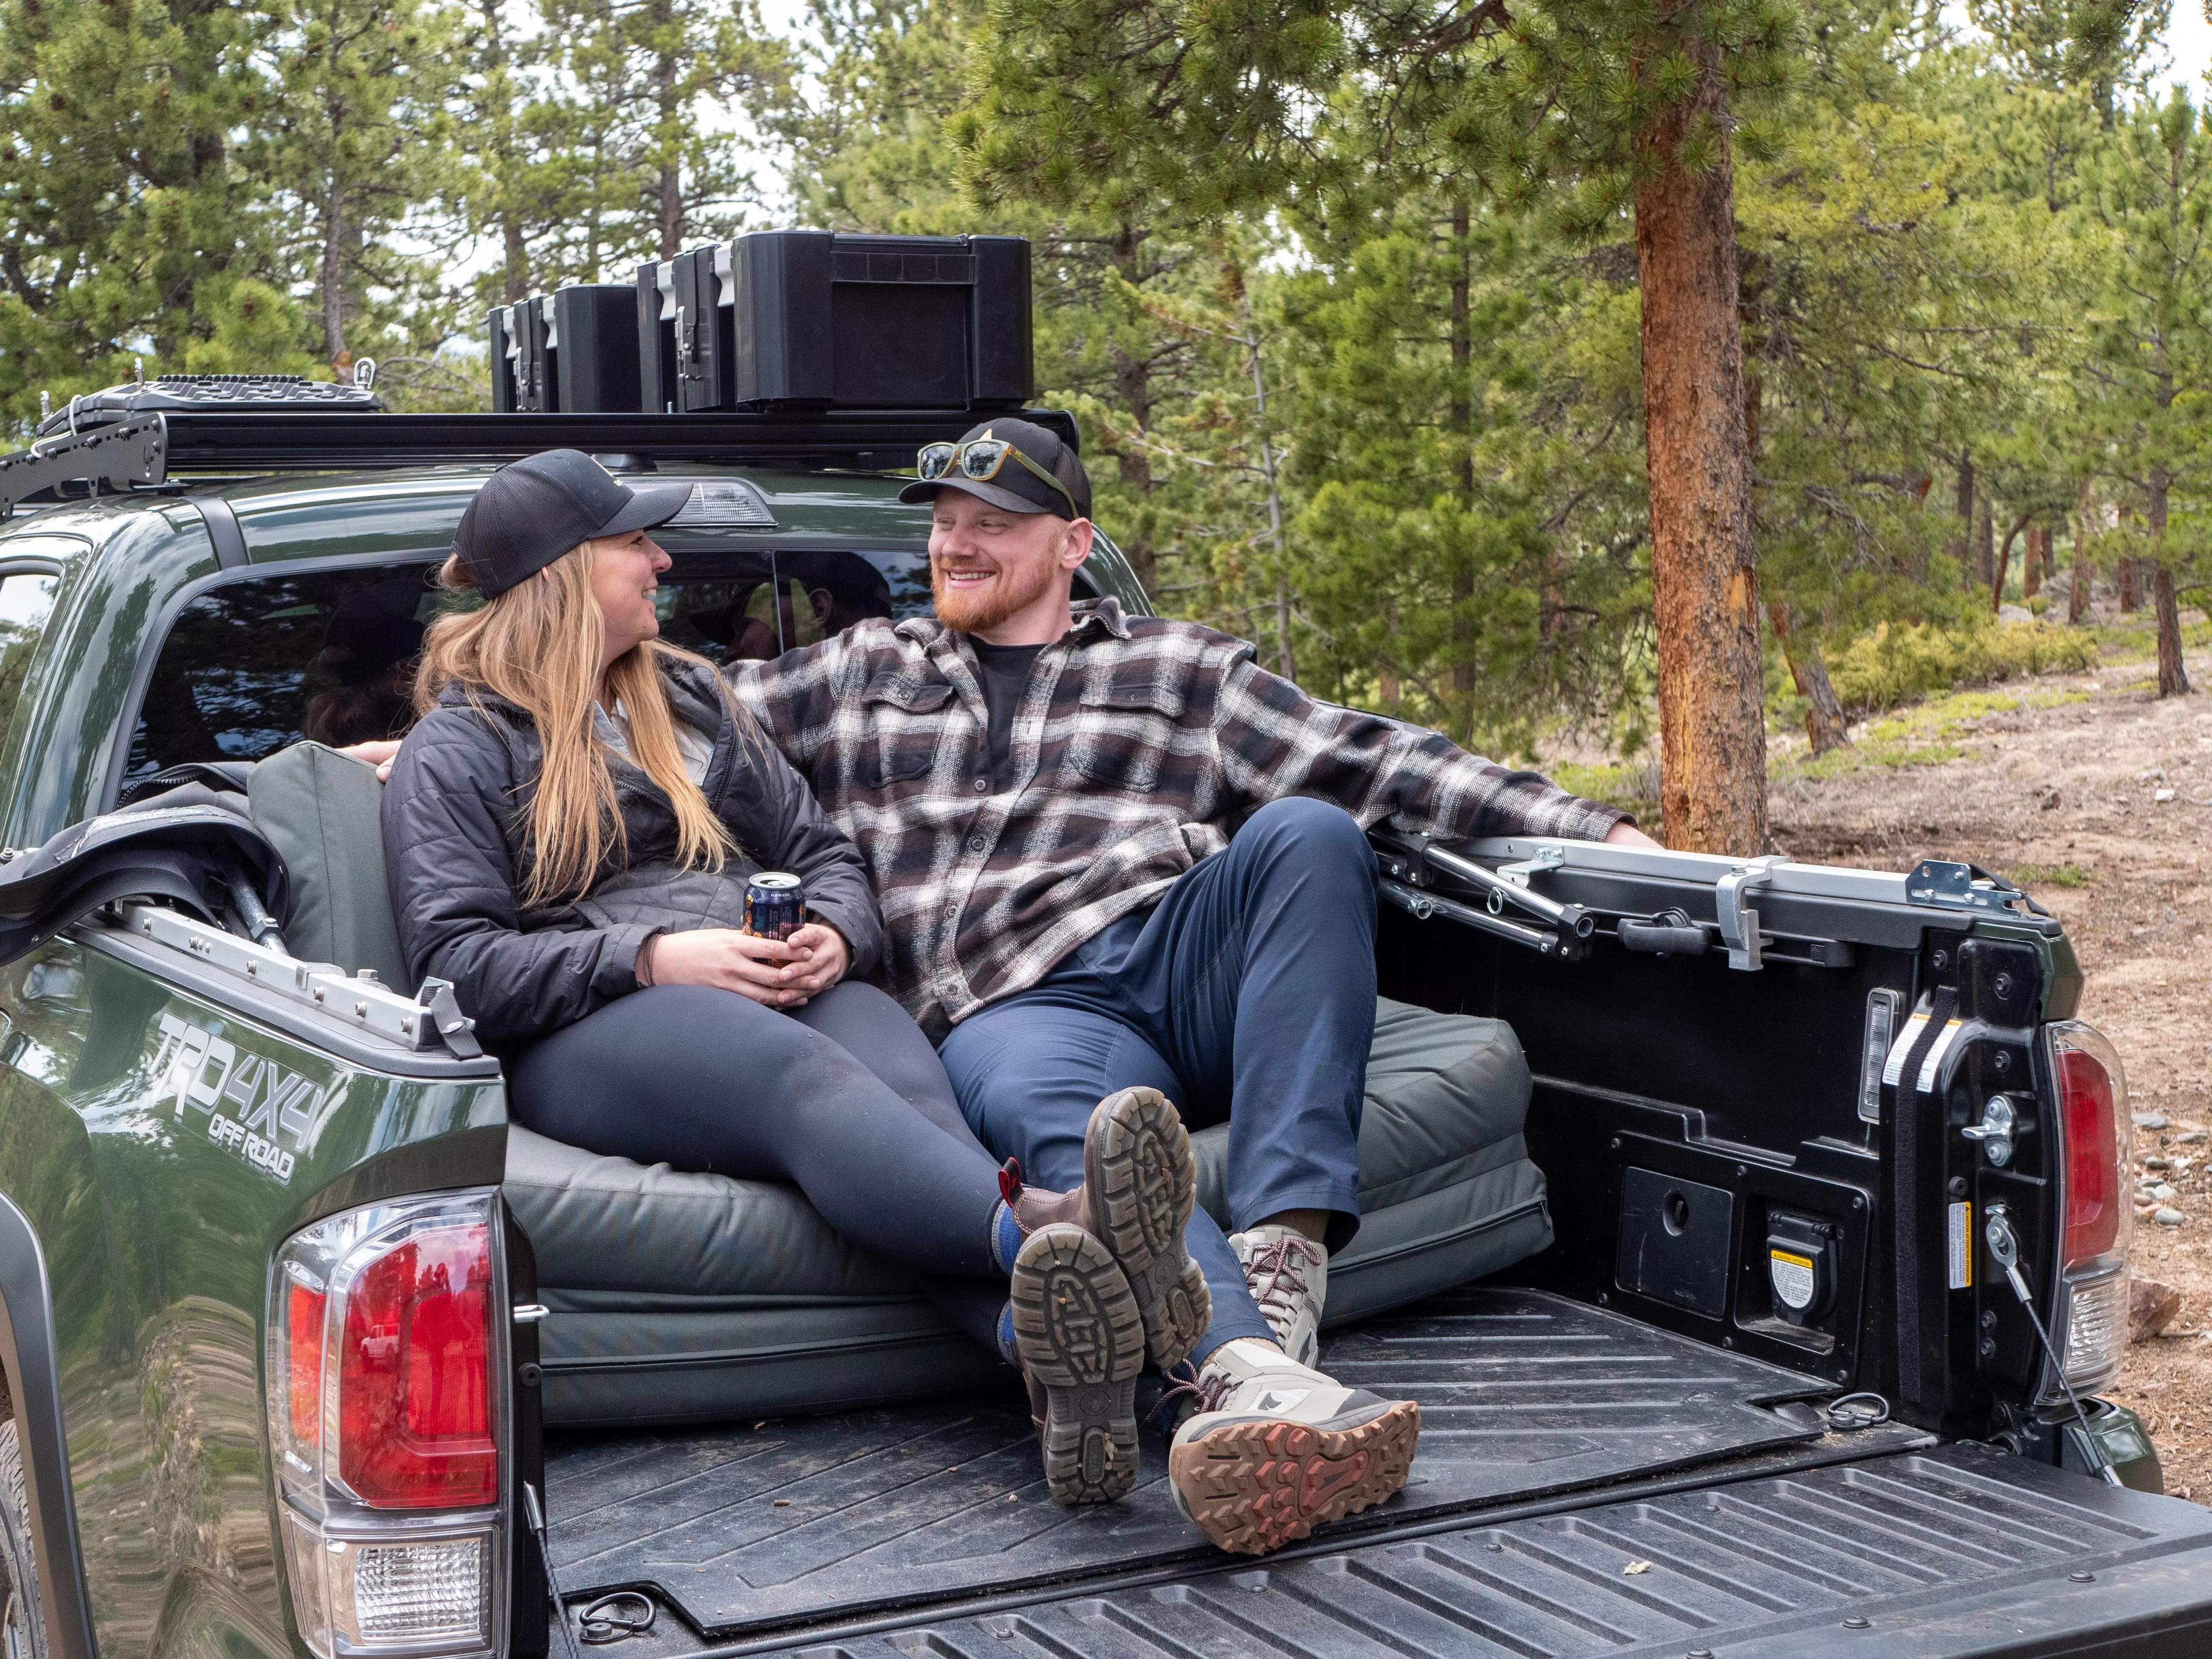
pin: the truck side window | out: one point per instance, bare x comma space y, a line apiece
254, 666
26, 599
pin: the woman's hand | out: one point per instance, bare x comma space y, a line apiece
379, 754
827, 958
769, 971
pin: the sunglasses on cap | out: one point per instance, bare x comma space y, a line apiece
979, 461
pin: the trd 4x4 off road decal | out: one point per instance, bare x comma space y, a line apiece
267, 1114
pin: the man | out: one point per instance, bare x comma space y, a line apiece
1114, 852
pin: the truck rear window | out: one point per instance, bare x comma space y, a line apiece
254, 666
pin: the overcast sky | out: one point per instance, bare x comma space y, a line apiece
2189, 40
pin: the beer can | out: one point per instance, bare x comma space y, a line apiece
775, 904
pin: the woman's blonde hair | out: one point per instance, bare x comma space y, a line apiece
537, 646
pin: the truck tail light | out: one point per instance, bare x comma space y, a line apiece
386, 1414
2098, 1217
415, 1374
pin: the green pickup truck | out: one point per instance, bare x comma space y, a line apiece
1753, 1233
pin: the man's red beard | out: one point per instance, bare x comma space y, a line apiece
978, 612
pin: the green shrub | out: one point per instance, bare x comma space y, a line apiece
1900, 661
2052, 875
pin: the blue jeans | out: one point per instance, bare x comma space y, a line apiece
1247, 995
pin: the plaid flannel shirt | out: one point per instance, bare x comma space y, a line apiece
1139, 748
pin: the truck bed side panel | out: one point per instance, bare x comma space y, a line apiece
161, 1145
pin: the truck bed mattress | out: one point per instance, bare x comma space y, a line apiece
755, 1526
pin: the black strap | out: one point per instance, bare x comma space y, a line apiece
1905, 1193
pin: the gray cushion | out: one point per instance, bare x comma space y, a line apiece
321, 813
1447, 1191
685, 1298
681, 1298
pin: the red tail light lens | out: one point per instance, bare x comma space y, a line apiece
387, 1352
303, 1338
415, 1423
2094, 1199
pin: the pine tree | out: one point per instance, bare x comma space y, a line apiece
650, 130
2151, 357
128, 227
1216, 109
356, 142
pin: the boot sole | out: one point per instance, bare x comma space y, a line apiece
1256, 1485
1077, 1330
1138, 1167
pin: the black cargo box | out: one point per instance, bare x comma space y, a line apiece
817, 320
572, 351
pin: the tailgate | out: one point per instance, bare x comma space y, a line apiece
1918, 1555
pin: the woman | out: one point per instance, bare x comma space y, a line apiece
569, 829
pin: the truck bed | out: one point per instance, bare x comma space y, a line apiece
774, 1527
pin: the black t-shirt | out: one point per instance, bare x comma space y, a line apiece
1005, 677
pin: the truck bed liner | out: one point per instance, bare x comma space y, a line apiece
747, 1529
1961, 1553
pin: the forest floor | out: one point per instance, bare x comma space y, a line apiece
2097, 797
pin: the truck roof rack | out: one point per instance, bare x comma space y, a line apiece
152, 447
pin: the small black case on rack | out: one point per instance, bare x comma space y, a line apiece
573, 350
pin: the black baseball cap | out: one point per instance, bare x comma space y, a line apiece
531, 511
1016, 488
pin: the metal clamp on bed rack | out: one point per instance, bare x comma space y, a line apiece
117, 454
1563, 930
362, 1001
1739, 922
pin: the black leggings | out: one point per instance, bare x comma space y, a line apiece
844, 1098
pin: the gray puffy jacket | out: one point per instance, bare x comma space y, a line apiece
453, 840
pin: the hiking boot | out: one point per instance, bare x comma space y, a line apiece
1276, 1449
1139, 1188
1081, 1345
1288, 1275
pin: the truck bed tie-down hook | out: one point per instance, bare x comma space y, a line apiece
1739, 922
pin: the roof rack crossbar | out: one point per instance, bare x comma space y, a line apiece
335, 440
116, 455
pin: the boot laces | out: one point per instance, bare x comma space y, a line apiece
1190, 1391
1277, 1272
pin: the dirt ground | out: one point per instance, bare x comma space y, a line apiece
2059, 783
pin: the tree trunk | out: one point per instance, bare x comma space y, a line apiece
333, 274
1286, 662
1985, 557
2130, 588
2078, 596
2173, 673
1132, 390
674, 220
1704, 590
515, 255
1825, 725
1960, 546
2039, 554
1462, 437
2004, 567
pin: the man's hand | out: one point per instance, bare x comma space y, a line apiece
773, 972
1625, 834
379, 754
